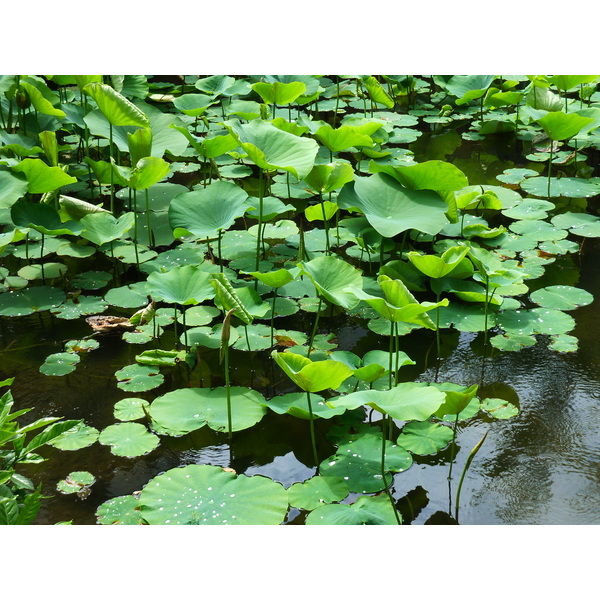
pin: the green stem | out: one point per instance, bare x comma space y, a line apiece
314, 331
148, 218
550, 166
312, 431
273, 313
228, 392
467, 465
260, 217
110, 153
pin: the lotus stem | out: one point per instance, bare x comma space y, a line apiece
453, 450
112, 187
314, 330
550, 166
385, 483
273, 313
467, 465
148, 218
312, 431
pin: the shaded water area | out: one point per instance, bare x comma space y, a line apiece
539, 467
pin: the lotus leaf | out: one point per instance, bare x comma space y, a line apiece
80, 436
391, 208
122, 510
358, 463
138, 378
128, 439
208, 495
181, 285
130, 409
424, 437
187, 409
316, 491
296, 404
60, 363
76, 482
367, 510
26, 302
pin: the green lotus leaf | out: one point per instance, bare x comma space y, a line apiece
316, 491
130, 409
80, 436
296, 404
551, 322
423, 437
39, 102
367, 510
84, 345
75, 482
122, 510
312, 376
358, 463
188, 409
116, 108
12, 188
133, 295
391, 208
439, 266
279, 93
457, 399
347, 136
210, 337
564, 343
272, 148
568, 187
322, 211
560, 126
530, 208
218, 84
561, 297
182, 285
206, 211
568, 82
60, 363
275, 279
581, 224
435, 175
199, 315
468, 87
499, 408
332, 277
148, 172
41, 178
208, 495
128, 439
26, 302
193, 105
91, 280
255, 337
49, 270
43, 218
512, 342
326, 178
406, 401
138, 378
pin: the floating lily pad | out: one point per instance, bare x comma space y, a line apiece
358, 463
128, 296
130, 409
80, 436
49, 270
561, 297
138, 378
499, 408
564, 343
424, 437
91, 280
316, 491
512, 342
122, 510
76, 482
208, 495
84, 345
196, 316
26, 302
128, 439
551, 322
367, 510
60, 363
581, 224
568, 187
73, 308
530, 208
187, 409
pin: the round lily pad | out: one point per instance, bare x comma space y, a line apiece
424, 437
367, 510
128, 439
80, 436
358, 463
187, 409
82, 305
60, 363
91, 280
208, 495
138, 378
564, 343
30, 300
122, 510
316, 491
81, 345
499, 408
296, 404
76, 482
128, 296
48, 270
561, 297
130, 409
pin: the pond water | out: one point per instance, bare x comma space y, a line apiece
539, 467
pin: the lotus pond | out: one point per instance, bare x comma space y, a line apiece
299, 299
